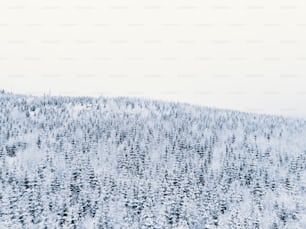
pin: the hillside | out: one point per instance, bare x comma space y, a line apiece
82, 162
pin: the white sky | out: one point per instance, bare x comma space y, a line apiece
245, 55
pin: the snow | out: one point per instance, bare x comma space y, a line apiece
132, 163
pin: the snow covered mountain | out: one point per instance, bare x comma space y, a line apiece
81, 162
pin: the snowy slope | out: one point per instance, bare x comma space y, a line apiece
130, 163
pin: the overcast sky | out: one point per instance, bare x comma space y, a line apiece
244, 55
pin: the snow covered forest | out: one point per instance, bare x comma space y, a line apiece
82, 162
